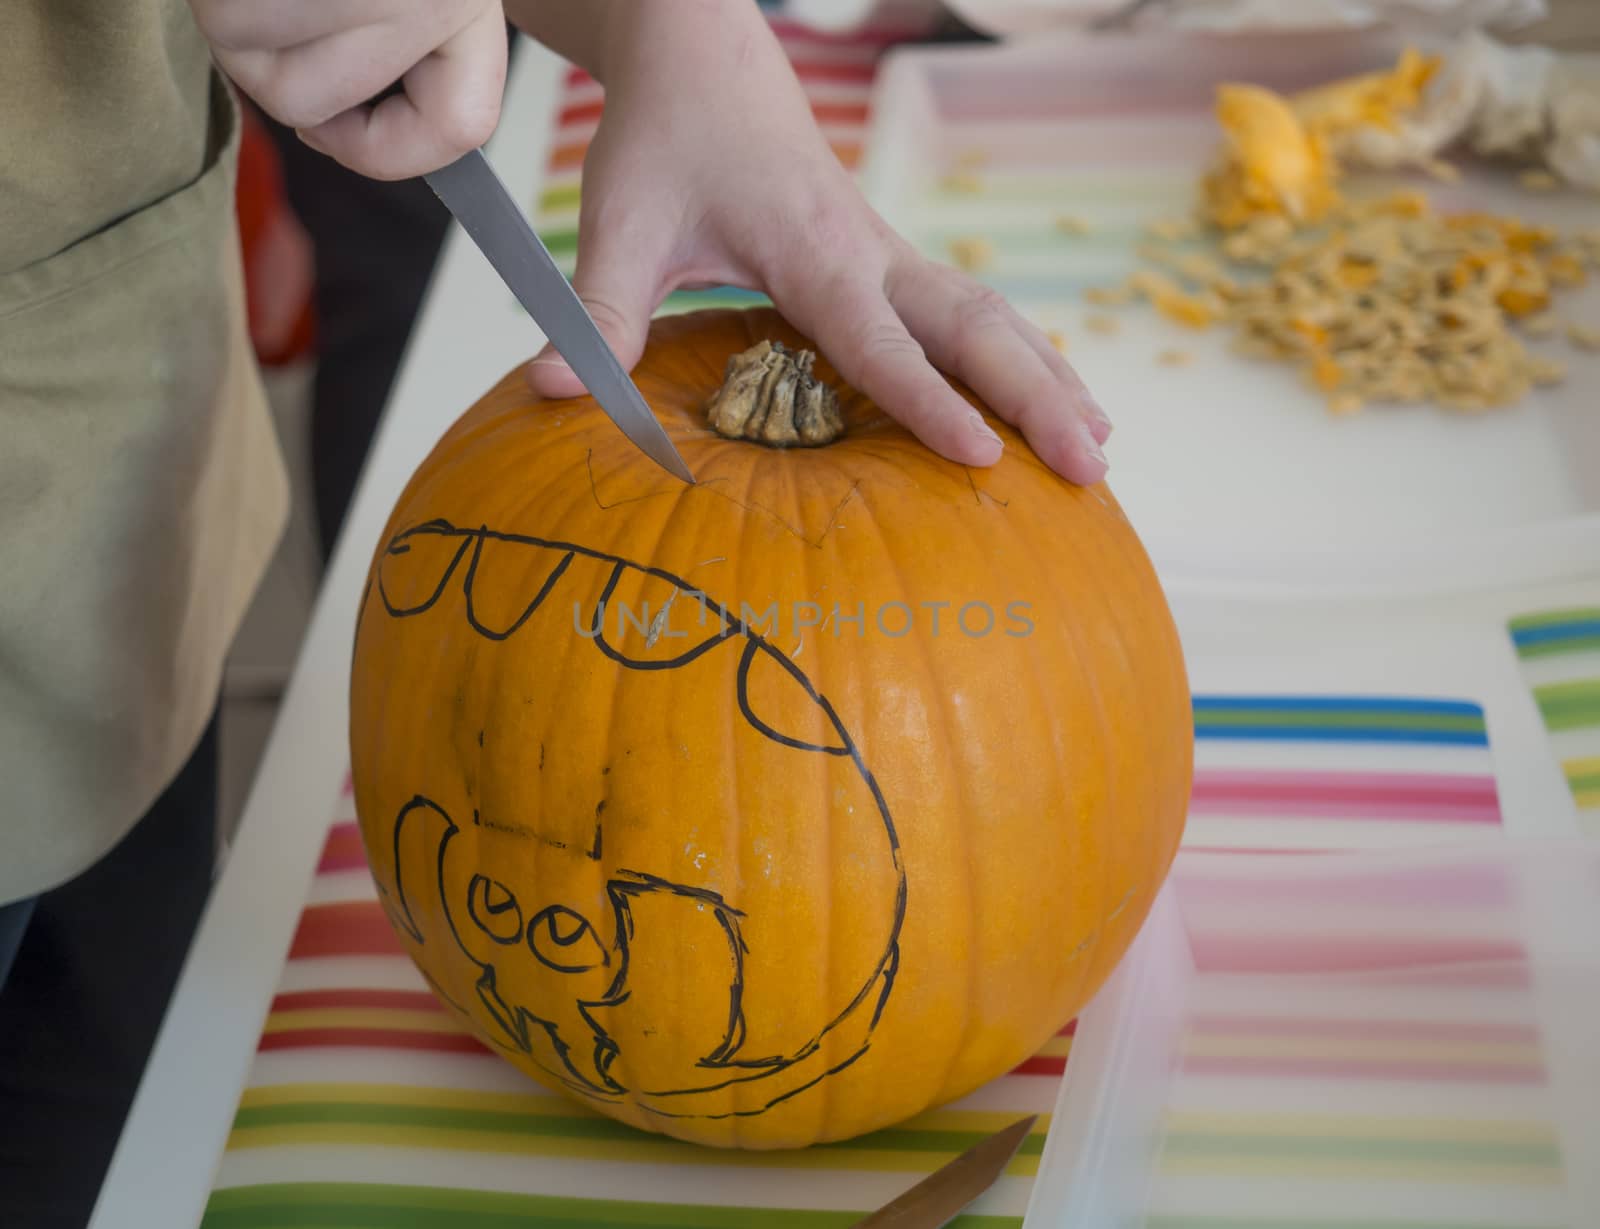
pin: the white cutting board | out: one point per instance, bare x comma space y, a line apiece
1233, 471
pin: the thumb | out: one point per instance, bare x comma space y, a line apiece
620, 297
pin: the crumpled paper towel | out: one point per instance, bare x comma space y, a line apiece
1530, 104
1004, 18
1573, 149
1514, 85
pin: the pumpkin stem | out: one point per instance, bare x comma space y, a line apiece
769, 395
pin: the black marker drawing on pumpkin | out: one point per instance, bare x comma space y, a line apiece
556, 980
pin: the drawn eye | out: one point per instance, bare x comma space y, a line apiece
494, 910
563, 940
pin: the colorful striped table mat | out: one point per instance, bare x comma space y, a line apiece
1559, 653
836, 72
1359, 1051
1324, 772
367, 1105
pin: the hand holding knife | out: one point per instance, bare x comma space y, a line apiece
472, 191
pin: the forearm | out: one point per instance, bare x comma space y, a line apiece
576, 30
708, 168
611, 37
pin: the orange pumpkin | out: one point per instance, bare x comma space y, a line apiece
773, 809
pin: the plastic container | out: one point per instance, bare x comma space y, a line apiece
1233, 471
1398, 1038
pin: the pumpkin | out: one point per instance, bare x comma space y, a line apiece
776, 808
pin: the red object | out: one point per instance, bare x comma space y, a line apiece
344, 928
279, 271
371, 1039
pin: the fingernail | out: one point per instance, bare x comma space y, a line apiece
545, 361
1091, 446
982, 429
1100, 424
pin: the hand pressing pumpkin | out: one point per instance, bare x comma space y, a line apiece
708, 168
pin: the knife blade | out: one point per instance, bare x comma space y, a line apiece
472, 191
940, 1197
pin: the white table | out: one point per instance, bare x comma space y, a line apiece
468, 334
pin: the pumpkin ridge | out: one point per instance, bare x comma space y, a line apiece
1113, 780
828, 815
1058, 582
619, 1061
975, 991
902, 587
738, 812
735, 789
1131, 669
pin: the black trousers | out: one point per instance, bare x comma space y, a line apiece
96, 961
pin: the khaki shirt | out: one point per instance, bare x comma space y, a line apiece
141, 488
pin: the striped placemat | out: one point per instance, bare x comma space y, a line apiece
1361, 1051
366, 1104
1308, 773
1559, 653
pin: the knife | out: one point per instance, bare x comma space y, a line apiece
472, 191
940, 1197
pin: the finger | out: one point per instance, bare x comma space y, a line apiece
970, 332
855, 326
1065, 374
450, 106
249, 25
311, 83
974, 333
620, 282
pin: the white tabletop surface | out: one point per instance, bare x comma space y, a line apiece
468, 335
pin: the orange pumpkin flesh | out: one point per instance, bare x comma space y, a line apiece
773, 883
